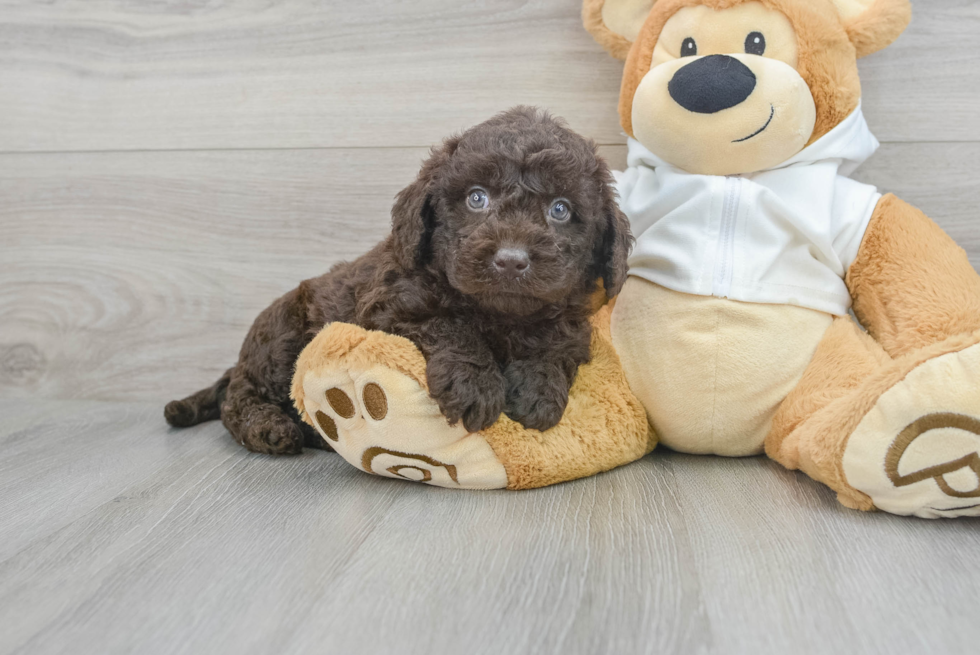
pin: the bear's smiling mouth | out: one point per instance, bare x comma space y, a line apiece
772, 114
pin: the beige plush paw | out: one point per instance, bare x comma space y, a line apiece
917, 452
363, 392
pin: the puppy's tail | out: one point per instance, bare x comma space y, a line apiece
205, 405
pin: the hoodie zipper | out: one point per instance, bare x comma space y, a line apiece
722, 285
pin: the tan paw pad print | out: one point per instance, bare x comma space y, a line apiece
918, 451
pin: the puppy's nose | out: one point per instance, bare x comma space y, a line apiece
711, 84
511, 262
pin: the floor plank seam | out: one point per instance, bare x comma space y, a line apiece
135, 151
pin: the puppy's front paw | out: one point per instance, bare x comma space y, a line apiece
536, 394
467, 392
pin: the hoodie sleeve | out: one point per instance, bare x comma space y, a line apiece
625, 181
854, 204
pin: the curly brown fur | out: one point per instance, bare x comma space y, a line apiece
496, 339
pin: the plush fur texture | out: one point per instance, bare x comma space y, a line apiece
830, 43
827, 59
871, 26
606, 426
711, 372
615, 44
879, 25
850, 375
844, 360
912, 284
494, 342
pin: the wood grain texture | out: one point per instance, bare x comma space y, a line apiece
62, 461
828, 580
144, 263
184, 543
131, 276
107, 74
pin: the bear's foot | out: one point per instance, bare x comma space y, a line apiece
365, 394
917, 451
902, 437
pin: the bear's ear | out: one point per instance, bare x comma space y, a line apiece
874, 24
614, 24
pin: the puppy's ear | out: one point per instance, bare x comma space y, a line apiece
412, 217
614, 249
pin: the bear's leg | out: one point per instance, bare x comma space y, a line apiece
799, 438
891, 419
912, 285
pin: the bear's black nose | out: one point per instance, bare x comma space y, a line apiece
711, 84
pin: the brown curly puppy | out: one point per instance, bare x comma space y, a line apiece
495, 252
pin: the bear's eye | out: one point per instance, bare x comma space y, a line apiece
477, 199
559, 211
755, 44
689, 48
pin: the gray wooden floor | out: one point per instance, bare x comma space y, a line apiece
168, 168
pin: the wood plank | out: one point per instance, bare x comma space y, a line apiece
18, 415
142, 263
600, 565
290, 73
829, 580
135, 275
171, 557
913, 91
210, 549
109, 75
73, 456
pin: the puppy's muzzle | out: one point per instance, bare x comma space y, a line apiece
712, 84
511, 263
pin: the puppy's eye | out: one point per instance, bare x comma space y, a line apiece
689, 48
559, 211
477, 199
755, 44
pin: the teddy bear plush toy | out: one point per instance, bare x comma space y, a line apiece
744, 121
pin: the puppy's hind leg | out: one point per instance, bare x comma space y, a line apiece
254, 408
205, 405
256, 423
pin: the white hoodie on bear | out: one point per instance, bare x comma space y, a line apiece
786, 235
